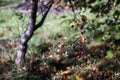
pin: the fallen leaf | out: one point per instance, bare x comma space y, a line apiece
65, 72
82, 38
78, 78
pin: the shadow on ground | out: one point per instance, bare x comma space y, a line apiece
93, 65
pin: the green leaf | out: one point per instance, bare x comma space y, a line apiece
118, 49
117, 35
109, 54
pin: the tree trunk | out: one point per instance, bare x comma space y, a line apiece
22, 44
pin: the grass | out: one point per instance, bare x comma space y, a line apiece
13, 25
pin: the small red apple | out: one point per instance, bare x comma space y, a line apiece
81, 26
84, 18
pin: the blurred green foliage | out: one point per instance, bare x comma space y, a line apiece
102, 18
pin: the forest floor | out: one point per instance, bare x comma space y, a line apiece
66, 64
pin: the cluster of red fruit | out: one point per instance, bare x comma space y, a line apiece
80, 53
84, 20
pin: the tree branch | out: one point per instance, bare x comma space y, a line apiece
44, 16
